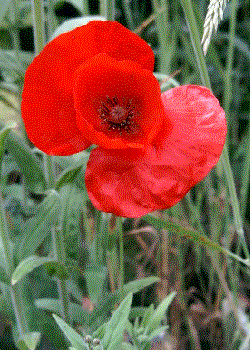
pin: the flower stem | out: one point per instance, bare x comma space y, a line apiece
194, 33
121, 253
58, 246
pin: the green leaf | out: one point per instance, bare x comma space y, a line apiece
138, 311
71, 24
74, 338
127, 346
78, 315
51, 304
6, 308
193, 235
95, 278
32, 339
3, 276
159, 313
68, 176
37, 227
57, 269
5, 131
157, 332
26, 266
147, 316
115, 327
135, 286
27, 162
4, 5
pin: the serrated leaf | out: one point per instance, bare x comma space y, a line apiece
26, 266
36, 228
3, 276
115, 327
74, 338
159, 313
31, 340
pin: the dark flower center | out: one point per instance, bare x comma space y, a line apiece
117, 116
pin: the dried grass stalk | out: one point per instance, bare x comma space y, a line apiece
214, 16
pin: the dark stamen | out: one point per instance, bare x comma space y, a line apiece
117, 116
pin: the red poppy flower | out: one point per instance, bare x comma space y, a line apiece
94, 85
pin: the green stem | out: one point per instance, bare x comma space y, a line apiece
245, 176
228, 74
163, 32
49, 171
196, 42
5, 239
38, 20
58, 246
107, 9
9, 266
194, 33
121, 253
51, 18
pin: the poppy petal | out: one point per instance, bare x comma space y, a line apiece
47, 101
132, 184
118, 103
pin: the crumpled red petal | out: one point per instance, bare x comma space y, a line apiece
132, 184
101, 77
47, 101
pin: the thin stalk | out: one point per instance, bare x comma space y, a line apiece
227, 96
245, 176
5, 238
51, 18
8, 258
38, 20
49, 171
121, 253
58, 246
194, 33
163, 32
107, 9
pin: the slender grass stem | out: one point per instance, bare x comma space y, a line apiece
38, 20
245, 176
227, 96
194, 33
58, 246
107, 9
163, 32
